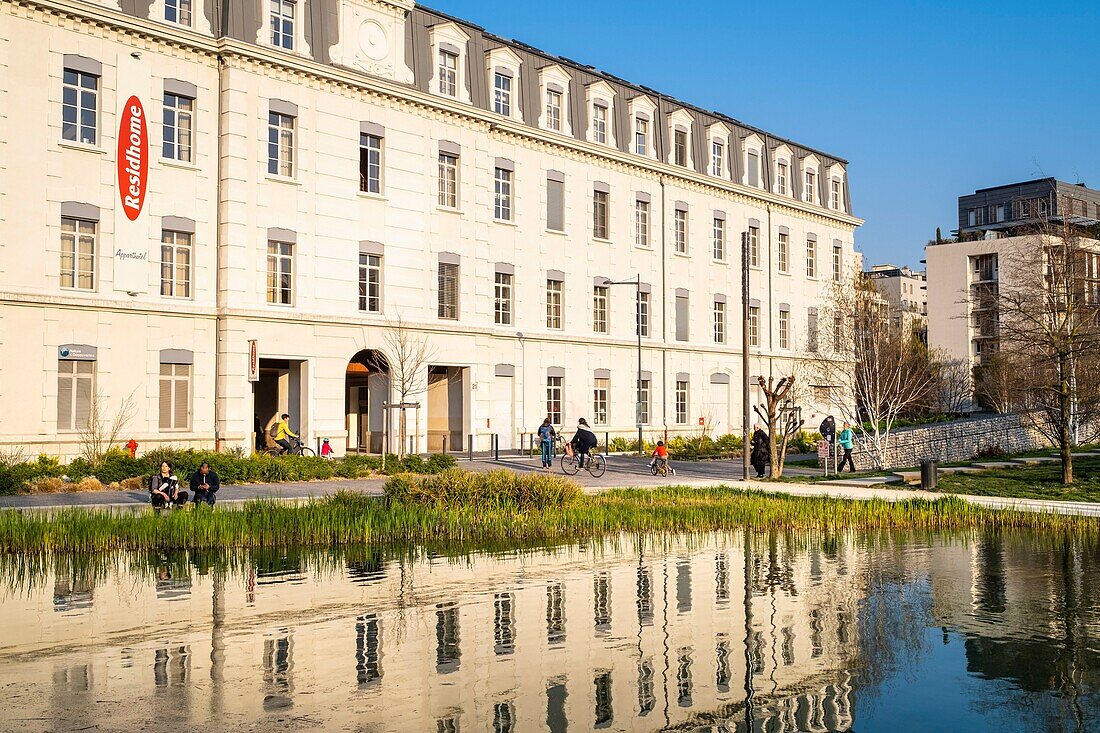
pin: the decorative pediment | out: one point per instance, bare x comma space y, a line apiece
600, 90
372, 38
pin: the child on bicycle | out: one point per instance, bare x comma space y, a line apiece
659, 456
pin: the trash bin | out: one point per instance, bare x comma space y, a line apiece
929, 471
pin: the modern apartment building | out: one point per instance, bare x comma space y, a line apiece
907, 293
234, 202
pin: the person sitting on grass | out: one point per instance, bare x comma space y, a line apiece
660, 455
164, 488
205, 484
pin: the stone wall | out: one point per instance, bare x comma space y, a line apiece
953, 441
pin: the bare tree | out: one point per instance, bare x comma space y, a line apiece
876, 372
784, 421
996, 382
950, 384
407, 354
104, 427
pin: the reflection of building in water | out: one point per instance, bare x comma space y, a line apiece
620, 639
68, 596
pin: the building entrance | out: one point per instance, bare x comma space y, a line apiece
448, 407
367, 387
280, 389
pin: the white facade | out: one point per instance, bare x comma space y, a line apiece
182, 358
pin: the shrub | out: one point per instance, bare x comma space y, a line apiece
804, 442
89, 483
132, 484
455, 487
991, 451
47, 485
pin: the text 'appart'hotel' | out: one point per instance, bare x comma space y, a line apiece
215, 210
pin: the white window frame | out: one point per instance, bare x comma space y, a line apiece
555, 392
502, 299
601, 215
281, 140
720, 248
554, 100
754, 325
180, 375
448, 271
599, 122
601, 306
643, 305
644, 388
182, 10
176, 252
372, 146
448, 75
601, 393
754, 247
783, 258
554, 295
719, 321
681, 396
784, 329
502, 195
502, 94
73, 372
280, 266
85, 99
641, 136
717, 158
280, 13
178, 128
641, 224
370, 283
448, 181
811, 259
77, 235
809, 184
680, 231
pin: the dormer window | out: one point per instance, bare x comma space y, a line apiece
808, 189
641, 136
717, 156
752, 168
641, 115
502, 93
553, 110
680, 147
782, 174
179, 11
448, 72
834, 194
599, 123
600, 100
282, 23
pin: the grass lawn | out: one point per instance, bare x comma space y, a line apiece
1043, 481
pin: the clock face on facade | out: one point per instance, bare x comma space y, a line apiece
373, 41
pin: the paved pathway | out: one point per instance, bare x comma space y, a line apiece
622, 471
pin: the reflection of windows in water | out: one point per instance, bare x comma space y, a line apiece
447, 725
369, 569
645, 597
171, 668
604, 711
756, 653
721, 578
683, 586
989, 582
683, 678
447, 652
647, 699
272, 569
278, 661
555, 614
787, 646
842, 627
556, 695
816, 649
72, 679
602, 604
504, 717
815, 566
504, 623
368, 649
169, 587
722, 665
72, 596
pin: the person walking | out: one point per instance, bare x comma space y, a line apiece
547, 434
584, 441
164, 488
205, 484
846, 440
761, 450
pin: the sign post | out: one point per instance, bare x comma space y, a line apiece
253, 361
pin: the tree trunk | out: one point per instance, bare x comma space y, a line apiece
774, 469
1064, 416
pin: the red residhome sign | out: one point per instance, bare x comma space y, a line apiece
133, 158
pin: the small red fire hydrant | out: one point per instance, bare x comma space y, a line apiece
132, 447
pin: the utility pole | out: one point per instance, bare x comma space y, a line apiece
746, 416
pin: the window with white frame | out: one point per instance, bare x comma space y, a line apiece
719, 321
175, 264
553, 304
811, 258
641, 136
754, 246
784, 329
280, 144
680, 147
808, 190
643, 402
641, 223
177, 128
643, 314
78, 254
782, 174
282, 23
280, 273
600, 215
502, 195
502, 94
680, 230
75, 392
717, 156
502, 299
681, 402
784, 257
754, 325
599, 123
553, 110
752, 168
599, 308
601, 389
838, 263
719, 239
834, 194
448, 180
448, 73
554, 399
178, 11
175, 397
370, 163
80, 106
370, 283
447, 291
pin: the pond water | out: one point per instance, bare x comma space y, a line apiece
737, 632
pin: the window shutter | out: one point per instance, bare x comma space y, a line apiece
64, 396
555, 205
681, 318
83, 400
182, 397
165, 405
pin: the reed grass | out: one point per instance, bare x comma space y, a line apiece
356, 519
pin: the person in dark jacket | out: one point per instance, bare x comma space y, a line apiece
546, 440
761, 451
205, 484
164, 488
584, 441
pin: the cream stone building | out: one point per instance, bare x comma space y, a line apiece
228, 206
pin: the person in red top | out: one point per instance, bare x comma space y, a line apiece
660, 453
326, 450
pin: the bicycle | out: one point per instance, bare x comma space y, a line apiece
297, 449
662, 468
595, 466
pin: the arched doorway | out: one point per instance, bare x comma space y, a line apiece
367, 387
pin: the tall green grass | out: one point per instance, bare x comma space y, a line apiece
347, 519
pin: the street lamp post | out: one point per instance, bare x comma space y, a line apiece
637, 283
745, 415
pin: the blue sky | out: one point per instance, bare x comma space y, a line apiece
927, 100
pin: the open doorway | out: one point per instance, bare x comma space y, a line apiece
367, 389
280, 389
447, 407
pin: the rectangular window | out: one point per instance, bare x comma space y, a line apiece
680, 147
175, 264
838, 333
720, 239
752, 175
754, 247
784, 329
553, 110
754, 325
448, 73
80, 106
811, 258
643, 402
555, 205
682, 326
599, 309
280, 273
680, 231
178, 11
282, 23
1000, 212
641, 223
280, 144
600, 224
641, 136
781, 179
808, 194
370, 163
681, 402
177, 128
502, 299
838, 263
834, 195
811, 330
599, 123
719, 322
784, 252
502, 195
502, 95
370, 283
448, 180
75, 392
717, 155
643, 314
553, 399
175, 396
448, 291
599, 401
78, 253
553, 304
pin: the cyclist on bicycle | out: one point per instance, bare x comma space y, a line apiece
584, 441
283, 434
660, 456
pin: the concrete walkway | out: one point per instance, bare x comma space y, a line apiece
622, 472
